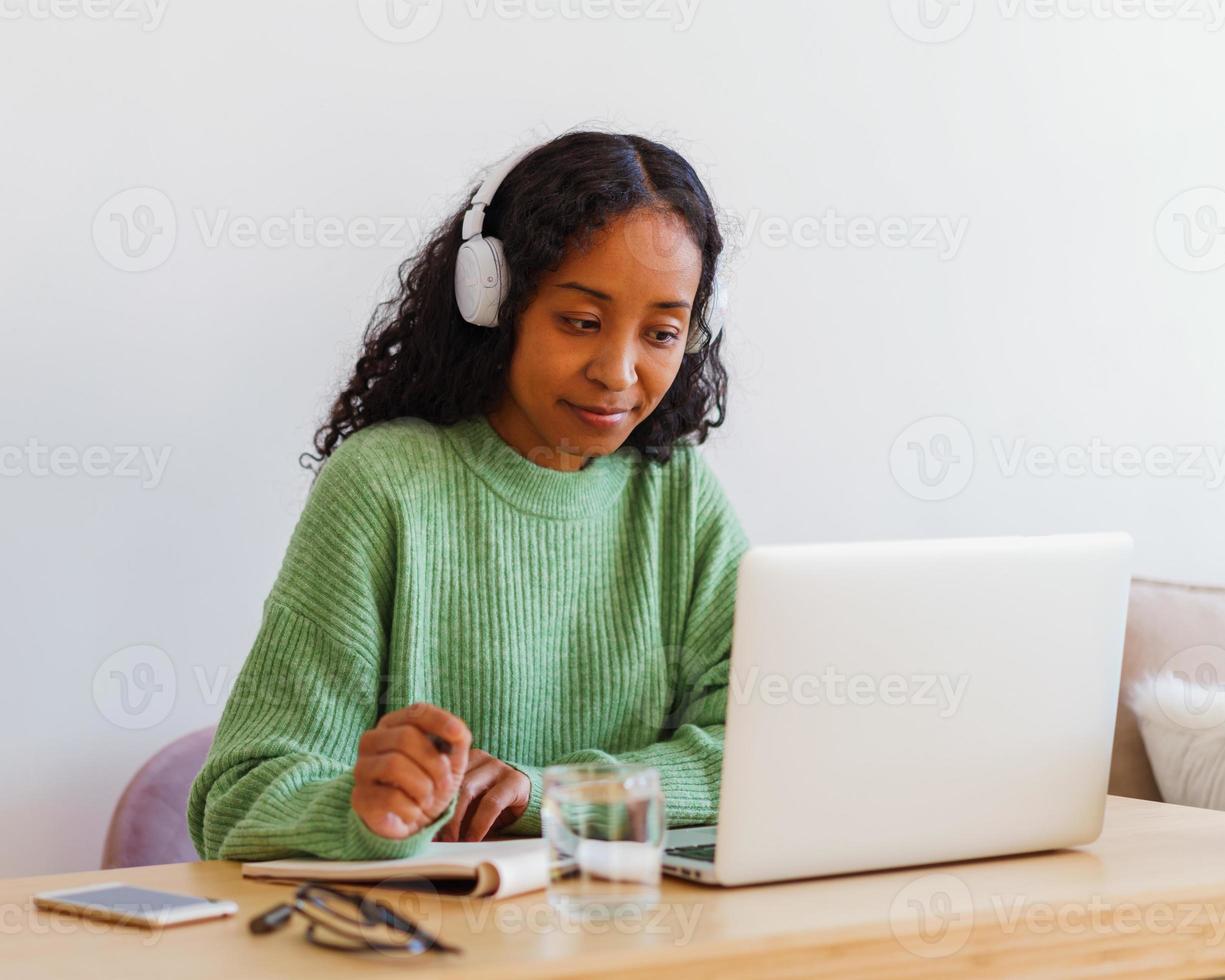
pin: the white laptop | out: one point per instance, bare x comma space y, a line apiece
909, 702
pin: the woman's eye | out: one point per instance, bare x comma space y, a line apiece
665, 337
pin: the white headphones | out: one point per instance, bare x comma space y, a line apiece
482, 278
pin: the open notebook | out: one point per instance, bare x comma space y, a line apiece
491, 868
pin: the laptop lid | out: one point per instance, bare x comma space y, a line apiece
905, 702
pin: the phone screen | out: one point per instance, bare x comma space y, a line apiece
129, 898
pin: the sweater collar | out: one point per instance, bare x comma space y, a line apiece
537, 489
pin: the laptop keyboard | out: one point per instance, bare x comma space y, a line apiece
694, 852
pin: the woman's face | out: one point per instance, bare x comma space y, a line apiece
607, 331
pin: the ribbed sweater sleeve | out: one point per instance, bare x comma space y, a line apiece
690, 759
279, 775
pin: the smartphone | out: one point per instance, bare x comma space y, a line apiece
132, 905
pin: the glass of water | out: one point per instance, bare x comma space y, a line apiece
604, 824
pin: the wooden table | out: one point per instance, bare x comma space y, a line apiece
1146, 900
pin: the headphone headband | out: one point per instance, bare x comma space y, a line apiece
474, 217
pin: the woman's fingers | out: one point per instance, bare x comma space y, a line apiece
438, 722
502, 803
476, 781
400, 772
427, 716
410, 764
386, 810
420, 756
413, 744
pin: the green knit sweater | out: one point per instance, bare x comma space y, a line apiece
566, 617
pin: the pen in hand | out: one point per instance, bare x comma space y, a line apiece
440, 743
393, 803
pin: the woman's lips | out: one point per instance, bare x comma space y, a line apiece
597, 421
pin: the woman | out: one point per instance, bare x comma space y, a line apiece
486, 578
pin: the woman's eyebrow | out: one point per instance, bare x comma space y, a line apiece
665, 304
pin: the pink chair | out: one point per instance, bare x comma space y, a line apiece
149, 825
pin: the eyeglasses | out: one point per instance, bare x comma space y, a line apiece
350, 923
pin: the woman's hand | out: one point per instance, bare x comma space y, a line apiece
402, 781
492, 796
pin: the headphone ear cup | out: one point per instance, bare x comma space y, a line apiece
715, 315
481, 280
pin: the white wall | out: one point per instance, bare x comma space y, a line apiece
1067, 312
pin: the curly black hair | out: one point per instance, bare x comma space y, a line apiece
421, 358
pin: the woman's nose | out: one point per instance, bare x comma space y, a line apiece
614, 365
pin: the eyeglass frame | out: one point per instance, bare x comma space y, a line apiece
373, 913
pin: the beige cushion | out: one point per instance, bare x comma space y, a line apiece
1163, 618
1183, 725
